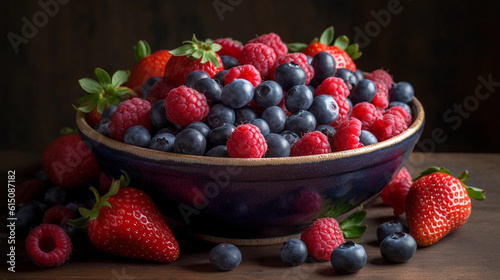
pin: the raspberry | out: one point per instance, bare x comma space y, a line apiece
129, 113
381, 99
298, 58
388, 126
185, 105
247, 72
344, 109
394, 193
322, 237
367, 113
246, 141
160, 89
259, 55
48, 245
272, 40
380, 75
229, 47
347, 136
58, 215
312, 143
333, 86
402, 112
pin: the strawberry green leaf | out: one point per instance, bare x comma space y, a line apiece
102, 76
86, 99
142, 49
337, 210
68, 130
296, 47
353, 51
199, 54
119, 78
354, 231
183, 50
215, 47
342, 42
80, 222
327, 36
90, 86
475, 193
84, 211
214, 61
101, 105
87, 108
431, 170
464, 176
355, 219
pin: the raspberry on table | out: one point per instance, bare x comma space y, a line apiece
58, 215
272, 40
394, 193
388, 126
333, 86
381, 99
347, 136
382, 76
322, 237
247, 72
185, 105
229, 47
129, 113
312, 143
298, 58
367, 113
48, 245
259, 55
246, 141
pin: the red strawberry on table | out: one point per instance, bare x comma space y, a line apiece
437, 204
126, 222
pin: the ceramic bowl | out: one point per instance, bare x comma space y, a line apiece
255, 199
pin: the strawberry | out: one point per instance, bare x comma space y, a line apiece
437, 204
125, 222
100, 94
69, 163
148, 65
193, 55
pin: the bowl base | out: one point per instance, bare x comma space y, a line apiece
246, 242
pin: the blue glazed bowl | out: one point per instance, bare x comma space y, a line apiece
230, 199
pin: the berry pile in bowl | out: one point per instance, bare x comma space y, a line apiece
254, 140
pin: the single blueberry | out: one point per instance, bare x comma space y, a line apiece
290, 136
275, 117
398, 247
325, 109
324, 67
290, 74
137, 135
401, 91
210, 88
237, 94
28, 215
57, 195
195, 76
298, 98
220, 134
268, 93
262, 125
218, 151
148, 85
367, 138
348, 76
401, 104
220, 76
364, 91
350, 104
190, 141
157, 114
220, 114
228, 61
327, 130
102, 128
348, 257
225, 257
293, 252
163, 142
359, 74
107, 114
244, 115
301, 122
388, 228
277, 146
309, 59
201, 127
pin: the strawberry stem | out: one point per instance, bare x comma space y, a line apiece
195, 49
142, 49
351, 226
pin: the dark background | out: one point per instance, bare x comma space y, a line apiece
444, 48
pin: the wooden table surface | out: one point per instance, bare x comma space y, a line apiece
471, 252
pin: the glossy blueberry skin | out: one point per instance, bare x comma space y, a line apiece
367, 138
195, 76
401, 91
348, 257
364, 91
244, 115
398, 247
219, 77
220, 134
388, 228
290, 74
275, 118
162, 142
148, 85
201, 127
324, 67
210, 88
327, 130
348, 76
225, 257
301, 122
157, 114
268, 93
277, 146
293, 252
290, 136
137, 135
220, 114
228, 61
190, 141
325, 109
359, 74
401, 104
262, 125
218, 151
107, 114
237, 94
298, 98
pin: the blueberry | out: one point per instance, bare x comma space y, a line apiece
290, 136
348, 76
28, 216
172, 130
301, 122
268, 93
210, 88
290, 74
78, 235
401, 104
218, 151
195, 76
220, 114
244, 115
277, 146
225, 257
190, 141
157, 114
219, 77
388, 228
220, 134
364, 91
325, 109
324, 67
275, 117
57, 195
298, 98
309, 59
348, 257
401, 91
137, 135
107, 114
148, 85
327, 130
201, 127
350, 104
398, 247
162, 142
228, 61
359, 74
102, 128
367, 138
262, 125
237, 94
293, 252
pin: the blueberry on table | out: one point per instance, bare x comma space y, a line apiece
298, 98
218, 151
349, 77
290, 74
268, 93
201, 127
364, 91
348, 257
57, 195
293, 252
388, 228
137, 135
290, 136
244, 115
228, 61
157, 114
301, 122
225, 257
401, 91
220, 134
220, 114
398, 247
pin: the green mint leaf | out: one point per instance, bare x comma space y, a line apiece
90, 86
353, 231
327, 36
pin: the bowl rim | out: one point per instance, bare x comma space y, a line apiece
161, 156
